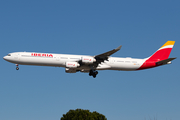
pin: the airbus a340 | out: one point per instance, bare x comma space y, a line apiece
90, 64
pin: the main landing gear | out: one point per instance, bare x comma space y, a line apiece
93, 73
17, 68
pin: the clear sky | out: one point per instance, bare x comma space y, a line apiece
89, 27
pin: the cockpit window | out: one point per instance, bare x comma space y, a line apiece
9, 55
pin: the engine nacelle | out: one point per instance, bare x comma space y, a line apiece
88, 60
70, 70
72, 64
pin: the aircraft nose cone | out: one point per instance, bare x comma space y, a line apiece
5, 57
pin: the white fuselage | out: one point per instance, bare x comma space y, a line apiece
60, 60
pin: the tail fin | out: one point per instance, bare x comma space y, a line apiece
160, 57
163, 52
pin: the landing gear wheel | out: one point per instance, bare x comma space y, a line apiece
94, 76
17, 68
93, 73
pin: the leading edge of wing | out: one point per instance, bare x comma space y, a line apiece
105, 55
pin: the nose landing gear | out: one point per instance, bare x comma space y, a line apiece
93, 73
17, 68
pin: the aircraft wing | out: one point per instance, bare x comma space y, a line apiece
166, 61
104, 56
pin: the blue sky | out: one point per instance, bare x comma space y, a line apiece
89, 28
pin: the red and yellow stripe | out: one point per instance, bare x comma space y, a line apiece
161, 54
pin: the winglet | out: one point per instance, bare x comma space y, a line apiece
118, 48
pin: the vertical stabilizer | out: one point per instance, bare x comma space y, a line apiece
160, 55
163, 52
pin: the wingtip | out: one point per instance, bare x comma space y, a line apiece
118, 48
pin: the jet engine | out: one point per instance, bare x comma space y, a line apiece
72, 64
88, 60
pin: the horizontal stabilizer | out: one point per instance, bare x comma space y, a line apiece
164, 62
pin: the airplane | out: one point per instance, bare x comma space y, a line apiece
90, 64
